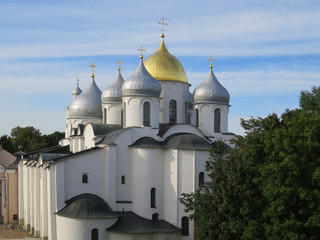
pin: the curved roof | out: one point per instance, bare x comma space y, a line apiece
113, 93
164, 66
211, 90
141, 83
87, 104
87, 206
187, 141
76, 91
147, 142
129, 222
176, 141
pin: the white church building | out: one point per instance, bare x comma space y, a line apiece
129, 153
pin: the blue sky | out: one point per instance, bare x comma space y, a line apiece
266, 51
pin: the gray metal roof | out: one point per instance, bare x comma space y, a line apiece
87, 104
6, 158
141, 83
147, 142
187, 141
177, 141
110, 137
113, 93
104, 129
129, 222
211, 90
87, 206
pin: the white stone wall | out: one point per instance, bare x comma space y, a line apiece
81, 228
133, 116
147, 173
177, 91
70, 174
113, 113
206, 117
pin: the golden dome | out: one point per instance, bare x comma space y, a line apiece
164, 66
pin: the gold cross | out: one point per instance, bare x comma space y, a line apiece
77, 80
141, 50
211, 60
163, 24
93, 66
119, 62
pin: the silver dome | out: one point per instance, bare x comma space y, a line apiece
76, 91
87, 104
113, 93
141, 83
211, 91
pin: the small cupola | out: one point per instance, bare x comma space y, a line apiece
113, 93
88, 103
211, 90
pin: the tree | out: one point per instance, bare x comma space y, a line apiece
268, 186
28, 137
6, 143
310, 100
54, 138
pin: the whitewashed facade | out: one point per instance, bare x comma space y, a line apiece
135, 157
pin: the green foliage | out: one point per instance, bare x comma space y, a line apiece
310, 101
267, 186
53, 138
6, 143
29, 138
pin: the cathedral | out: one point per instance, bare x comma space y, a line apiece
128, 154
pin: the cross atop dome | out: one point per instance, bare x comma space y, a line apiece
119, 62
211, 60
92, 66
141, 50
163, 24
77, 80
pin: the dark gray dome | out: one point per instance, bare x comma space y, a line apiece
87, 104
87, 206
141, 83
211, 91
113, 93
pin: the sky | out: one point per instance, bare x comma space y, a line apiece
266, 51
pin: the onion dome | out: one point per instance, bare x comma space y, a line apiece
141, 83
164, 66
87, 104
76, 91
113, 93
211, 90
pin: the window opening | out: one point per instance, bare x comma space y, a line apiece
217, 120
155, 216
172, 111
153, 197
94, 234
84, 178
105, 116
197, 117
189, 118
186, 112
201, 179
184, 226
146, 114
123, 179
